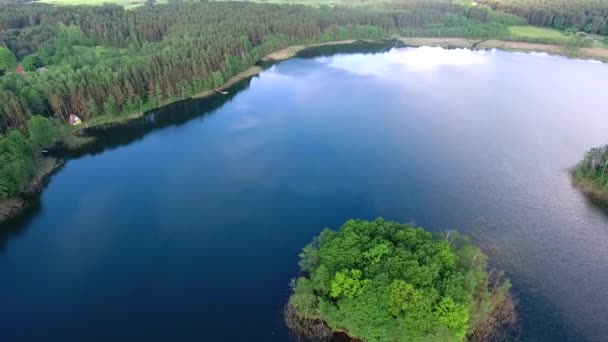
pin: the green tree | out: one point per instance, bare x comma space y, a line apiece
31, 63
348, 284
16, 164
110, 106
43, 132
454, 316
8, 60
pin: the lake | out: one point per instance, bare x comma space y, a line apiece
186, 225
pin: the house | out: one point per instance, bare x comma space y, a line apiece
19, 69
74, 120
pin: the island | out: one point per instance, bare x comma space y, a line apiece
388, 281
591, 174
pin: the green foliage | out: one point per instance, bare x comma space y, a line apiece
309, 258
580, 15
306, 302
8, 61
405, 299
386, 281
593, 169
43, 132
31, 63
542, 35
454, 316
110, 107
16, 163
17, 153
506, 18
348, 284
92, 108
458, 25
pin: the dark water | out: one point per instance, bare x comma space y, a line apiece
186, 225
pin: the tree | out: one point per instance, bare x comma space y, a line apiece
92, 108
110, 107
43, 132
8, 60
16, 164
31, 63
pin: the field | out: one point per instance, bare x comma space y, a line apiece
136, 3
323, 2
537, 33
124, 3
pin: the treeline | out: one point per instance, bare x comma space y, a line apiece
581, 15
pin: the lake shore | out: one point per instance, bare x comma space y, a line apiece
599, 53
292, 51
77, 139
13, 206
589, 189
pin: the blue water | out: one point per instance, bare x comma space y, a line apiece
186, 225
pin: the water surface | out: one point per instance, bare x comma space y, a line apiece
186, 225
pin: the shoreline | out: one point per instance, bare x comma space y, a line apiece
12, 207
292, 51
503, 321
586, 186
75, 139
596, 53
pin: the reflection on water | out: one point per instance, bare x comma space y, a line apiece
16, 226
175, 114
191, 218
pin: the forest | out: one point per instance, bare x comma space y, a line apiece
107, 61
385, 281
590, 16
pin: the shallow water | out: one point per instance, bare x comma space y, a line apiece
186, 225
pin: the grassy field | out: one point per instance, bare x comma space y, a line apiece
136, 3
534, 32
124, 3
323, 2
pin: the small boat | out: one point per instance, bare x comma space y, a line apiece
221, 92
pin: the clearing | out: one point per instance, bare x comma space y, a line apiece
540, 33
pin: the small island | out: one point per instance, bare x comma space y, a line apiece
387, 281
591, 174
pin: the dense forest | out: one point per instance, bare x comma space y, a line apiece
94, 61
385, 281
579, 15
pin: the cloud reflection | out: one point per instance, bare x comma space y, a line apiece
245, 123
394, 62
